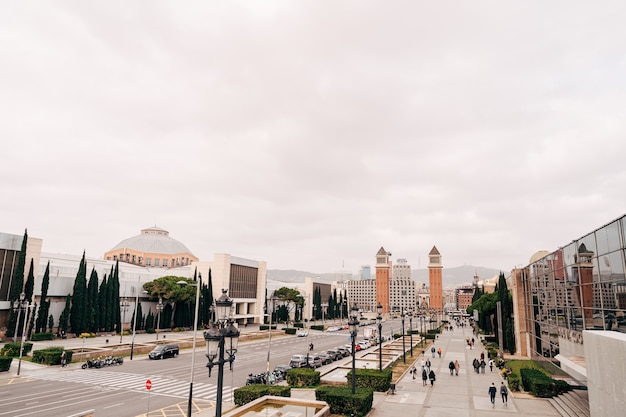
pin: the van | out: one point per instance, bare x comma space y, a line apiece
298, 361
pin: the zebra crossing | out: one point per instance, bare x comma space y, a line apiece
136, 383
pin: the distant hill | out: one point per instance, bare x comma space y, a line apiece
452, 277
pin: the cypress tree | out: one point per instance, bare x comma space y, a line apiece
78, 317
209, 299
92, 304
30, 282
17, 286
42, 315
65, 314
104, 314
50, 323
114, 298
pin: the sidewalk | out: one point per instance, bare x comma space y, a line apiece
459, 396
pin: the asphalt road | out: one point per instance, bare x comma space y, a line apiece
120, 391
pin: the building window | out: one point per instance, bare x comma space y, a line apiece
165, 262
157, 261
148, 261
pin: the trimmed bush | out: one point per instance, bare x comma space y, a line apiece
541, 385
51, 355
13, 349
317, 327
290, 330
514, 381
298, 325
42, 336
372, 379
341, 400
303, 377
266, 327
5, 363
249, 393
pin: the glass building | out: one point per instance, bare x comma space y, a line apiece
581, 286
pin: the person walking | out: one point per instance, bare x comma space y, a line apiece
476, 365
427, 365
439, 352
492, 394
457, 366
424, 377
432, 350
483, 365
63, 360
413, 371
505, 393
432, 377
423, 363
491, 365
451, 367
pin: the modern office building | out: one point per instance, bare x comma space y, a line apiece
570, 312
362, 293
401, 269
365, 272
402, 295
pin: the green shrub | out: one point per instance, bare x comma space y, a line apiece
290, 330
317, 327
541, 385
298, 325
87, 335
13, 349
266, 327
341, 400
51, 355
303, 377
5, 363
397, 335
42, 336
249, 393
372, 378
514, 382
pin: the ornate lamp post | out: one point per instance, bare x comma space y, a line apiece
410, 314
195, 330
379, 321
222, 337
159, 309
19, 305
402, 315
124, 305
22, 304
354, 331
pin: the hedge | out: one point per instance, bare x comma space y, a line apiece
541, 385
317, 327
51, 355
372, 378
290, 330
266, 327
13, 349
42, 336
298, 325
341, 400
303, 377
5, 363
251, 392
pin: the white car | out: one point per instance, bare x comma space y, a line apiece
333, 329
303, 333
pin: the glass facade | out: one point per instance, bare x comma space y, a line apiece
581, 286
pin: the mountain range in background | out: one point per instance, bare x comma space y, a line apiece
452, 277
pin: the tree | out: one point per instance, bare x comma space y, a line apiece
290, 298
174, 295
65, 314
17, 286
104, 317
506, 304
92, 305
78, 318
42, 315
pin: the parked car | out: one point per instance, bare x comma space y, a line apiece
335, 354
315, 361
281, 371
303, 333
325, 357
364, 345
333, 329
345, 351
164, 351
298, 361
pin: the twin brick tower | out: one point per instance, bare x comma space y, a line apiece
383, 278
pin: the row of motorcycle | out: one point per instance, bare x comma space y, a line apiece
262, 378
101, 362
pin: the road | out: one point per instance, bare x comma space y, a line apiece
120, 391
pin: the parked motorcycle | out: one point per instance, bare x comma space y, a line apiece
99, 362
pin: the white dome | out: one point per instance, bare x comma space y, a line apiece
153, 240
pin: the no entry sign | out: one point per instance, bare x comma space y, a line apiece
148, 385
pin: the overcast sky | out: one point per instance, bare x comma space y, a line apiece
309, 134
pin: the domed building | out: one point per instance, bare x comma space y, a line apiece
153, 247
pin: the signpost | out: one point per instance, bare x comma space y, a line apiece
148, 387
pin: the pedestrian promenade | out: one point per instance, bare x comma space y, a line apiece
465, 395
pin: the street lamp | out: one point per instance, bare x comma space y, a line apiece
124, 306
410, 314
402, 315
159, 309
195, 329
221, 337
19, 305
22, 304
379, 321
354, 331
132, 343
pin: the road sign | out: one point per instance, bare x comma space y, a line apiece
148, 385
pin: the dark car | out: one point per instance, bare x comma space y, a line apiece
281, 371
344, 351
325, 357
164, 351
335, 354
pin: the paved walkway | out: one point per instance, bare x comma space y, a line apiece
465, 395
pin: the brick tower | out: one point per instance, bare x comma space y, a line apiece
382, 278
434, 278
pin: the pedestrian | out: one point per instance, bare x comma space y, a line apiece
439, 352
451, 367
482, 356
505, 393
423, 363
428, 365
413, 371
432, 350
483, 365
63, 360
491, 365
472, 340
432, 378
492, 394
424, 377
476, 365
457, 366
